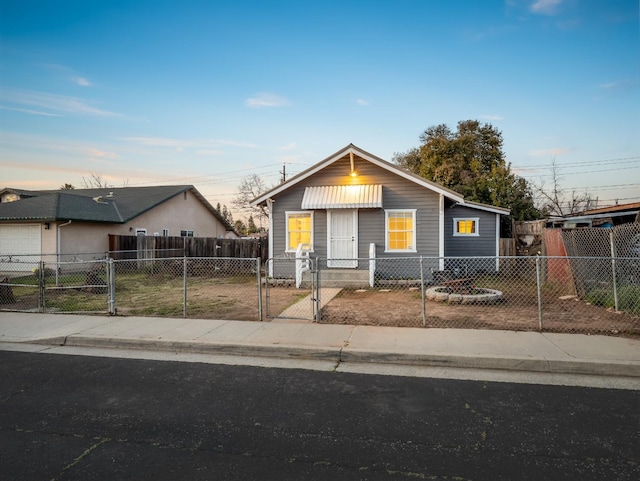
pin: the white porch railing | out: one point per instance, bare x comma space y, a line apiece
302, 262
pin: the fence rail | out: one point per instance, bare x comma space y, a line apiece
543, 293
127, 247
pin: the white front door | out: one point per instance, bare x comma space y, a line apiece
342, 238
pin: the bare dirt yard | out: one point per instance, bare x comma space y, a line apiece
404, 309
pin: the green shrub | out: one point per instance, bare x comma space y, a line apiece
628, 298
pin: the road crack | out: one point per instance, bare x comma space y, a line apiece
85, 453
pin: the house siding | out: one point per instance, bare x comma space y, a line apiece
470, 246
397, 193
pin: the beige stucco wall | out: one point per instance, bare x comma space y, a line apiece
183, 212
48, 241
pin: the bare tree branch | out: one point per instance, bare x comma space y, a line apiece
251, 187
554, 200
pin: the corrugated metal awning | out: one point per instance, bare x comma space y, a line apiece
342, 197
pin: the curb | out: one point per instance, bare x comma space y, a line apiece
348, 355
282, 351
551, 366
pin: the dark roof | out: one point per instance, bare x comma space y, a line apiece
112, 205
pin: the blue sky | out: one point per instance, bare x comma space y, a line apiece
207, 92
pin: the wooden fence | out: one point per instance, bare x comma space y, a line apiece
507, 247
136, 247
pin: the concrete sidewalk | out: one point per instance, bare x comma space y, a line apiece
459, 348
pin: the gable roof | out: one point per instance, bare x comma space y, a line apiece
110, 205
356, 151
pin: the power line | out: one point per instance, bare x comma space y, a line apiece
207, 175
620, 160
623, 186
584, 172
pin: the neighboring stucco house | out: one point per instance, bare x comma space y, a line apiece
78, 221
354, 205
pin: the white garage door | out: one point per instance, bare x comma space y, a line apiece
19, 247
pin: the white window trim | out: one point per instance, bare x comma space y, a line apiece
186, 231
165, 232
140, 231
459, 234
286, 228
386, 230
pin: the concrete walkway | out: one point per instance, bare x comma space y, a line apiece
459, 348
302, 309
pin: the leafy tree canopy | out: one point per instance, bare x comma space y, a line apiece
471, 162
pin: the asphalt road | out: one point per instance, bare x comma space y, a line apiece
88, 418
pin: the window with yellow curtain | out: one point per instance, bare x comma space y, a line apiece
465, 226
400, 230
299, 230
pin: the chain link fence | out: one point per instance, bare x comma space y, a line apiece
558, 294
214, 288
32, 284
577, 294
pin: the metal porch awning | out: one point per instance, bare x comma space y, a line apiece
342, 197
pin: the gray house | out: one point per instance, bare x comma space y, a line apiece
353, 206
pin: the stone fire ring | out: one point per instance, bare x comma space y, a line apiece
444, 294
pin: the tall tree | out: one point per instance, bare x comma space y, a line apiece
225, 213
252, 228
251, 187
240, 227
471, 161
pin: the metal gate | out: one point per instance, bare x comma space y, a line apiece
291, 288
81, 286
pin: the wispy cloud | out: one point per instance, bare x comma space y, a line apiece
62, 148
545, 7
266, 99
491, 117
549, 152
102, 154
54, 102
209, 152
69, 73
290, 146
202, 144
29, 111
620, 85
83, 82
362, 102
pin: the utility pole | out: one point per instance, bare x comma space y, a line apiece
283, 173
